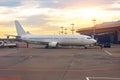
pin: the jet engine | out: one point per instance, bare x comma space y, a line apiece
1, 43
53, 44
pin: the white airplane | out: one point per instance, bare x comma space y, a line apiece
54, 41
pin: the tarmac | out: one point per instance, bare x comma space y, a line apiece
37, 63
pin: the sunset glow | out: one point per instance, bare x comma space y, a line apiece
90, 13
46, 17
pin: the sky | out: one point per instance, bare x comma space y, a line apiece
47, 16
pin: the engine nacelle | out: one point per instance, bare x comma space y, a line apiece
53, 44
1, 43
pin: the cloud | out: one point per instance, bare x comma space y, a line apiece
56, 3
112, 9
51, 14
10, 3
37, 20
82, 3
48, 3
115, 6
45, 22
59, 4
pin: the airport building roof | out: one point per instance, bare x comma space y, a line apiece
101, 28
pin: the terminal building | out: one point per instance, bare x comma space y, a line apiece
105, 32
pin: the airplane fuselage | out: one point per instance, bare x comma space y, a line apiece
76, 40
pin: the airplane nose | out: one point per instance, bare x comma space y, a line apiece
94, 41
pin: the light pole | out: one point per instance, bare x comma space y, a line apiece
72, 28
94, 30
65, 30
62, 29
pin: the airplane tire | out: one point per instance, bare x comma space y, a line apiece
46, 46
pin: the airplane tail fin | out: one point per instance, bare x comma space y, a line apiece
20, 30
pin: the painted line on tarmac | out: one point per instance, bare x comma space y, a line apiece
59, 70
100, 78
87, 78
108, 52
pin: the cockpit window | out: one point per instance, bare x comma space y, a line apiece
89, 38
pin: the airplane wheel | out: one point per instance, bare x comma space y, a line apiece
46, 46
85, 47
